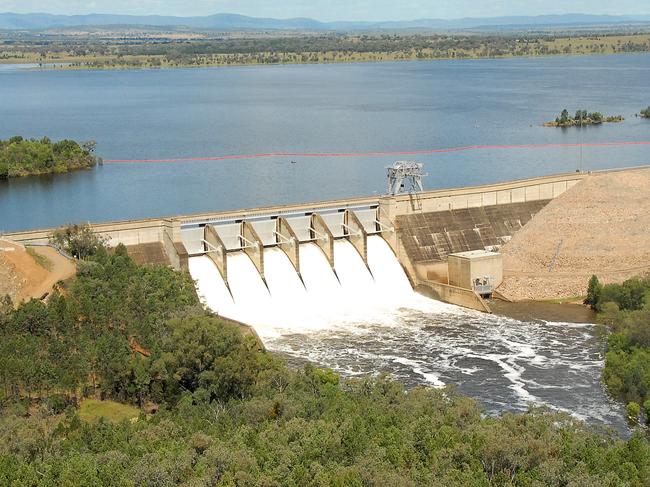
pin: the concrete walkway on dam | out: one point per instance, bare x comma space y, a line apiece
600, 226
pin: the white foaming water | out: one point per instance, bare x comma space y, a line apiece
211, 288
323, 301
372, 321
391, 283
284, 283
316, 271
249, 291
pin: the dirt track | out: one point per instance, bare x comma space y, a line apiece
21, 277
601, 226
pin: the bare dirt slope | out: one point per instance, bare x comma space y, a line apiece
601, 226
22, 277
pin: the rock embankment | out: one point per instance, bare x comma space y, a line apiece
601, 226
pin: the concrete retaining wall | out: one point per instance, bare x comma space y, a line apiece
133, 232
431, 236
217, 251
453, 295
171, 249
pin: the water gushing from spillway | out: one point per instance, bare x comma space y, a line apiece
323, 299
366, 320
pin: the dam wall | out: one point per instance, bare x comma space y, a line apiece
519, 191
421, 229
433, 224
148, 230
428, 238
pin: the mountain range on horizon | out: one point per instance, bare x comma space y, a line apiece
236, 22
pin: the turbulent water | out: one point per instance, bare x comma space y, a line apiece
369, 320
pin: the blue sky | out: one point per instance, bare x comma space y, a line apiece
328, 10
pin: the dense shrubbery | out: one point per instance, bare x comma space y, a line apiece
646, 113
626, 309
231, 414
303, 428
632, 295
21, 157
78, 240
91, 330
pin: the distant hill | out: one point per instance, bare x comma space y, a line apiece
231, 22
220, 21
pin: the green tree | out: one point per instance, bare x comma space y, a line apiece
203, 353
564, 116
594, 291
21, 157
581, 116
633, 411
78, 240
596, 117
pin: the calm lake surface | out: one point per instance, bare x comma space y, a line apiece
404, 106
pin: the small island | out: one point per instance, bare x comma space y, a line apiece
27, 157
581, 118
645, 113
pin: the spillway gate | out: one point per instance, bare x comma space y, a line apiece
251, 235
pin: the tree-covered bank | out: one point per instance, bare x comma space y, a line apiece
220, 49
231, 414
625, 309
26, 157
307, 429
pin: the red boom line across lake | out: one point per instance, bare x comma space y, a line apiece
375, 154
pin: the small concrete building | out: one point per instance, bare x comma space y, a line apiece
479, 270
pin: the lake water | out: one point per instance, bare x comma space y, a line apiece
154, 114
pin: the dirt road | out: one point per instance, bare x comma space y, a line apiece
22, 277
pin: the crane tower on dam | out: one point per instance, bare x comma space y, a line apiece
405, 177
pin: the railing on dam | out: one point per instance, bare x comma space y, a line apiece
266, 226
287, 230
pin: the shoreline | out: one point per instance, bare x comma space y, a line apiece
537, 310
71, 64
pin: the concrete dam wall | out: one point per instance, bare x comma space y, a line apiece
419, 229
428, 238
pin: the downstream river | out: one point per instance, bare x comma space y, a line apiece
504, 363
342, 108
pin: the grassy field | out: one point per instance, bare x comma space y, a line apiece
91, 410
349, 49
